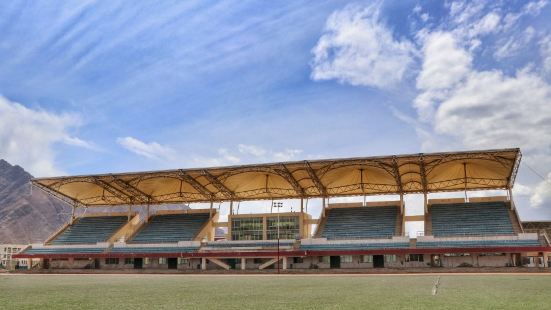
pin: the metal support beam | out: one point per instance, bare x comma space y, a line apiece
315, 179
195, 184
423, 173
134, 192
219, 186
113, 190
288, 176
397, 177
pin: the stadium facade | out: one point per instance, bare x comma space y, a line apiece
479, 232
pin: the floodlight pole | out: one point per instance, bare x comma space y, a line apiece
278, 205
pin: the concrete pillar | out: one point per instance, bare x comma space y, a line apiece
203, 263
29, 263
243, 263
284, 263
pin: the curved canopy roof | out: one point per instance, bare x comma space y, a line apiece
400, 174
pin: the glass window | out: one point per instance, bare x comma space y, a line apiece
128, 261
111, 261
247, 228
414, 258
289, 227
147, 261
324, 259
297, 260
367, 258
162, 260
346, 259
390, 258
183, 261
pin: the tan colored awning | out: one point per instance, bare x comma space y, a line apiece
401, 174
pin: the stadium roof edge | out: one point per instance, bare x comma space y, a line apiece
374, 175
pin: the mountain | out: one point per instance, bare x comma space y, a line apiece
26, 216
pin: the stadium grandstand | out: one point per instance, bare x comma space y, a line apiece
470, 231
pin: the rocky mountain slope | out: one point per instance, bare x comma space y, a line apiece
26, 216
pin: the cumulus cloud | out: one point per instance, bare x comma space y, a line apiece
483, 109
444, 66
27, 136
251, 150
542, 192
152, 150
545, 51
359, 49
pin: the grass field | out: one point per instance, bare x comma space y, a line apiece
273, 292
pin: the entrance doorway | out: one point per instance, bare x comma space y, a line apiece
232, 262
172, 262
46, 263
378, 261
138, 263
96, 263
435, 261
335, 261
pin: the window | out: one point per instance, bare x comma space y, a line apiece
324, 259
367, 258
162, 260
183, 261
289, 227
346, 259
128, 261
390, 258
247, 228
491, 254
257, 261
147, 261
297, 260
456, 254
414, 258
111, 261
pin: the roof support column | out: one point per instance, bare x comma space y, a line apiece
147, 213
301, 205
210, 209
402, 203
231, 207
425, 202
510, 191
73, 212
465, 181
129, 212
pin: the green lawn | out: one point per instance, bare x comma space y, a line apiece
273, 292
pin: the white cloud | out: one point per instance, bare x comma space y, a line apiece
227, 157
542, 192
510, 46
532, 8
444, 66
152, 150
545, 52
253, 150
27, 136
359, 49
482, 109
286, 155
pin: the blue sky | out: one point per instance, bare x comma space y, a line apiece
91, 87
